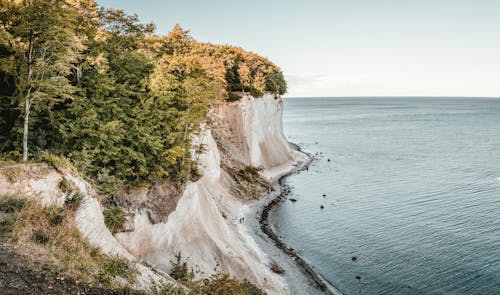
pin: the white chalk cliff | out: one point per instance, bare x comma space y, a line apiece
204, 227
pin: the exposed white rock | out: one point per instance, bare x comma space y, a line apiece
42, 182
205, 227
256, 125
33, 180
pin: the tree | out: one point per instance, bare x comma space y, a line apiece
46, 47
100, 88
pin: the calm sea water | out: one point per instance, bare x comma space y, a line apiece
412, 189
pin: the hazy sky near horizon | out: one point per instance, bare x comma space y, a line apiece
351, 47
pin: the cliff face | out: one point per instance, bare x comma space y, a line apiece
205, 228
251, 132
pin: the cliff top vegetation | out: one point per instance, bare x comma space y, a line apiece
100, 88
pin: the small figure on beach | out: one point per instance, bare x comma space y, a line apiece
322, 207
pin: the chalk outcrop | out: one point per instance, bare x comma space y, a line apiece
42, 182
205, 228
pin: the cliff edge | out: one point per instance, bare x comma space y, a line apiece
241, 151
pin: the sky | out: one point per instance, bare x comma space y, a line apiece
351, 47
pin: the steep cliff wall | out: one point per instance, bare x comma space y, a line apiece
252, 133
205, 228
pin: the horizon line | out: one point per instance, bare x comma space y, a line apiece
393, 96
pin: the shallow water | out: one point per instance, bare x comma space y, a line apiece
412, 190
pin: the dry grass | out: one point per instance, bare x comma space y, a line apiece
66, 186
55, 230
248, 183
54, 160
12, 173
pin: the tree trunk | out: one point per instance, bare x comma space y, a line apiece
27, 103
25, 131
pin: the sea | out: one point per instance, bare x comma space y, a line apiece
403, 194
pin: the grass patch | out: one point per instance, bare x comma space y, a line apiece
73, 200
55, 230
216, 284
11, 204
12, 173
114, 267
66, 186
114, 218
249, 173
250, 184
53, 160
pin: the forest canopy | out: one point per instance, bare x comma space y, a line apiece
100, 88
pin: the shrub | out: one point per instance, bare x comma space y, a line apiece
40, 237
56, 215
249, 173
113, 267
233, 96
65, 186
73, 200
114, 218
11, 204
180, 270
53, 160
216, 284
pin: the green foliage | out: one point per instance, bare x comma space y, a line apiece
108, 95
65, 186
216, 284
53, 160
180, 270
73, 200
114, 218
112, 267
249, 173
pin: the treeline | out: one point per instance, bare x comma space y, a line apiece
100, 88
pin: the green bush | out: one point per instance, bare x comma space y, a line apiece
73, 200
180, 270
53, 160
114, 218
56, 215
113, 267
65, 186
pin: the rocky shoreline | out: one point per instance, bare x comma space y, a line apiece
266, 228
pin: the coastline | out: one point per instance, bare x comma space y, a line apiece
298, 274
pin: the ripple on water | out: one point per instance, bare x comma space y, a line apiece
412, 190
